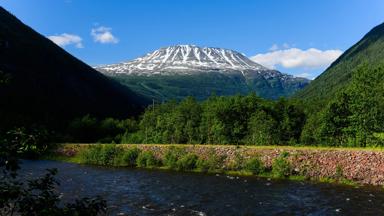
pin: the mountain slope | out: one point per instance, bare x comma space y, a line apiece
369, 50
184, 70
46, 84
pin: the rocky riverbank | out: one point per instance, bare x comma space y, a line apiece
363, 166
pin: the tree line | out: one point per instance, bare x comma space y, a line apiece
354, 118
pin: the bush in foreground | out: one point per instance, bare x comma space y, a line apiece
281, 167
187, 162
172, 156
108, 154
91, 155
254, 165
37, 196
212, 163
102, 155
146, 159
130, 156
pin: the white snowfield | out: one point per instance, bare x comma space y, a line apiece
189, 60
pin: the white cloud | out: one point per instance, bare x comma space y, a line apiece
103, 35
286, 45
305, 75
296, 58
274, 47
67, 39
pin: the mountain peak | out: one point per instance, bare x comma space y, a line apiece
184, 59
181, 46
178, 71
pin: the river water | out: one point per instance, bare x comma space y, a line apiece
152, 192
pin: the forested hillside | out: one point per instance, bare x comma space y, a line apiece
43, 84
354, 116
368, 52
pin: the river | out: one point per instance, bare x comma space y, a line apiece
153, 192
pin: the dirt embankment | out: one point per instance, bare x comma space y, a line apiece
362, 166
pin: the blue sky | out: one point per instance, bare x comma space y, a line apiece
299, 37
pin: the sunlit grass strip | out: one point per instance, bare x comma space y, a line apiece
82, 145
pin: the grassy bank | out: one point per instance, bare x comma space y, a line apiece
80, 146
181, 158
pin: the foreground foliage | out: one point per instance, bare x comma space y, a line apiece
281, 167
39, 196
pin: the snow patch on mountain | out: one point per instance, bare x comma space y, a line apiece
189, 60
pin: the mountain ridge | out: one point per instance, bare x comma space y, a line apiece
228, 67
47, 84
368, 50
185, 57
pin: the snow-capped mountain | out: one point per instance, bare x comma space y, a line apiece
184, 70
186, 59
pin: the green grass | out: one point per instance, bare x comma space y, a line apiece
80, 145
73, 159
343, 181
254, 165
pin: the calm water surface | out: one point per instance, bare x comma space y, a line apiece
149, 192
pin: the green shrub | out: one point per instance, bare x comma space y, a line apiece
212, 163
187, 162
108, 154
339, 174
237, 163
281, 167
146, 159
284, 154
92, 154
130, 156
202, 165
132, 137
118, 158
101, 155
172, 155
254, 165
32, 142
